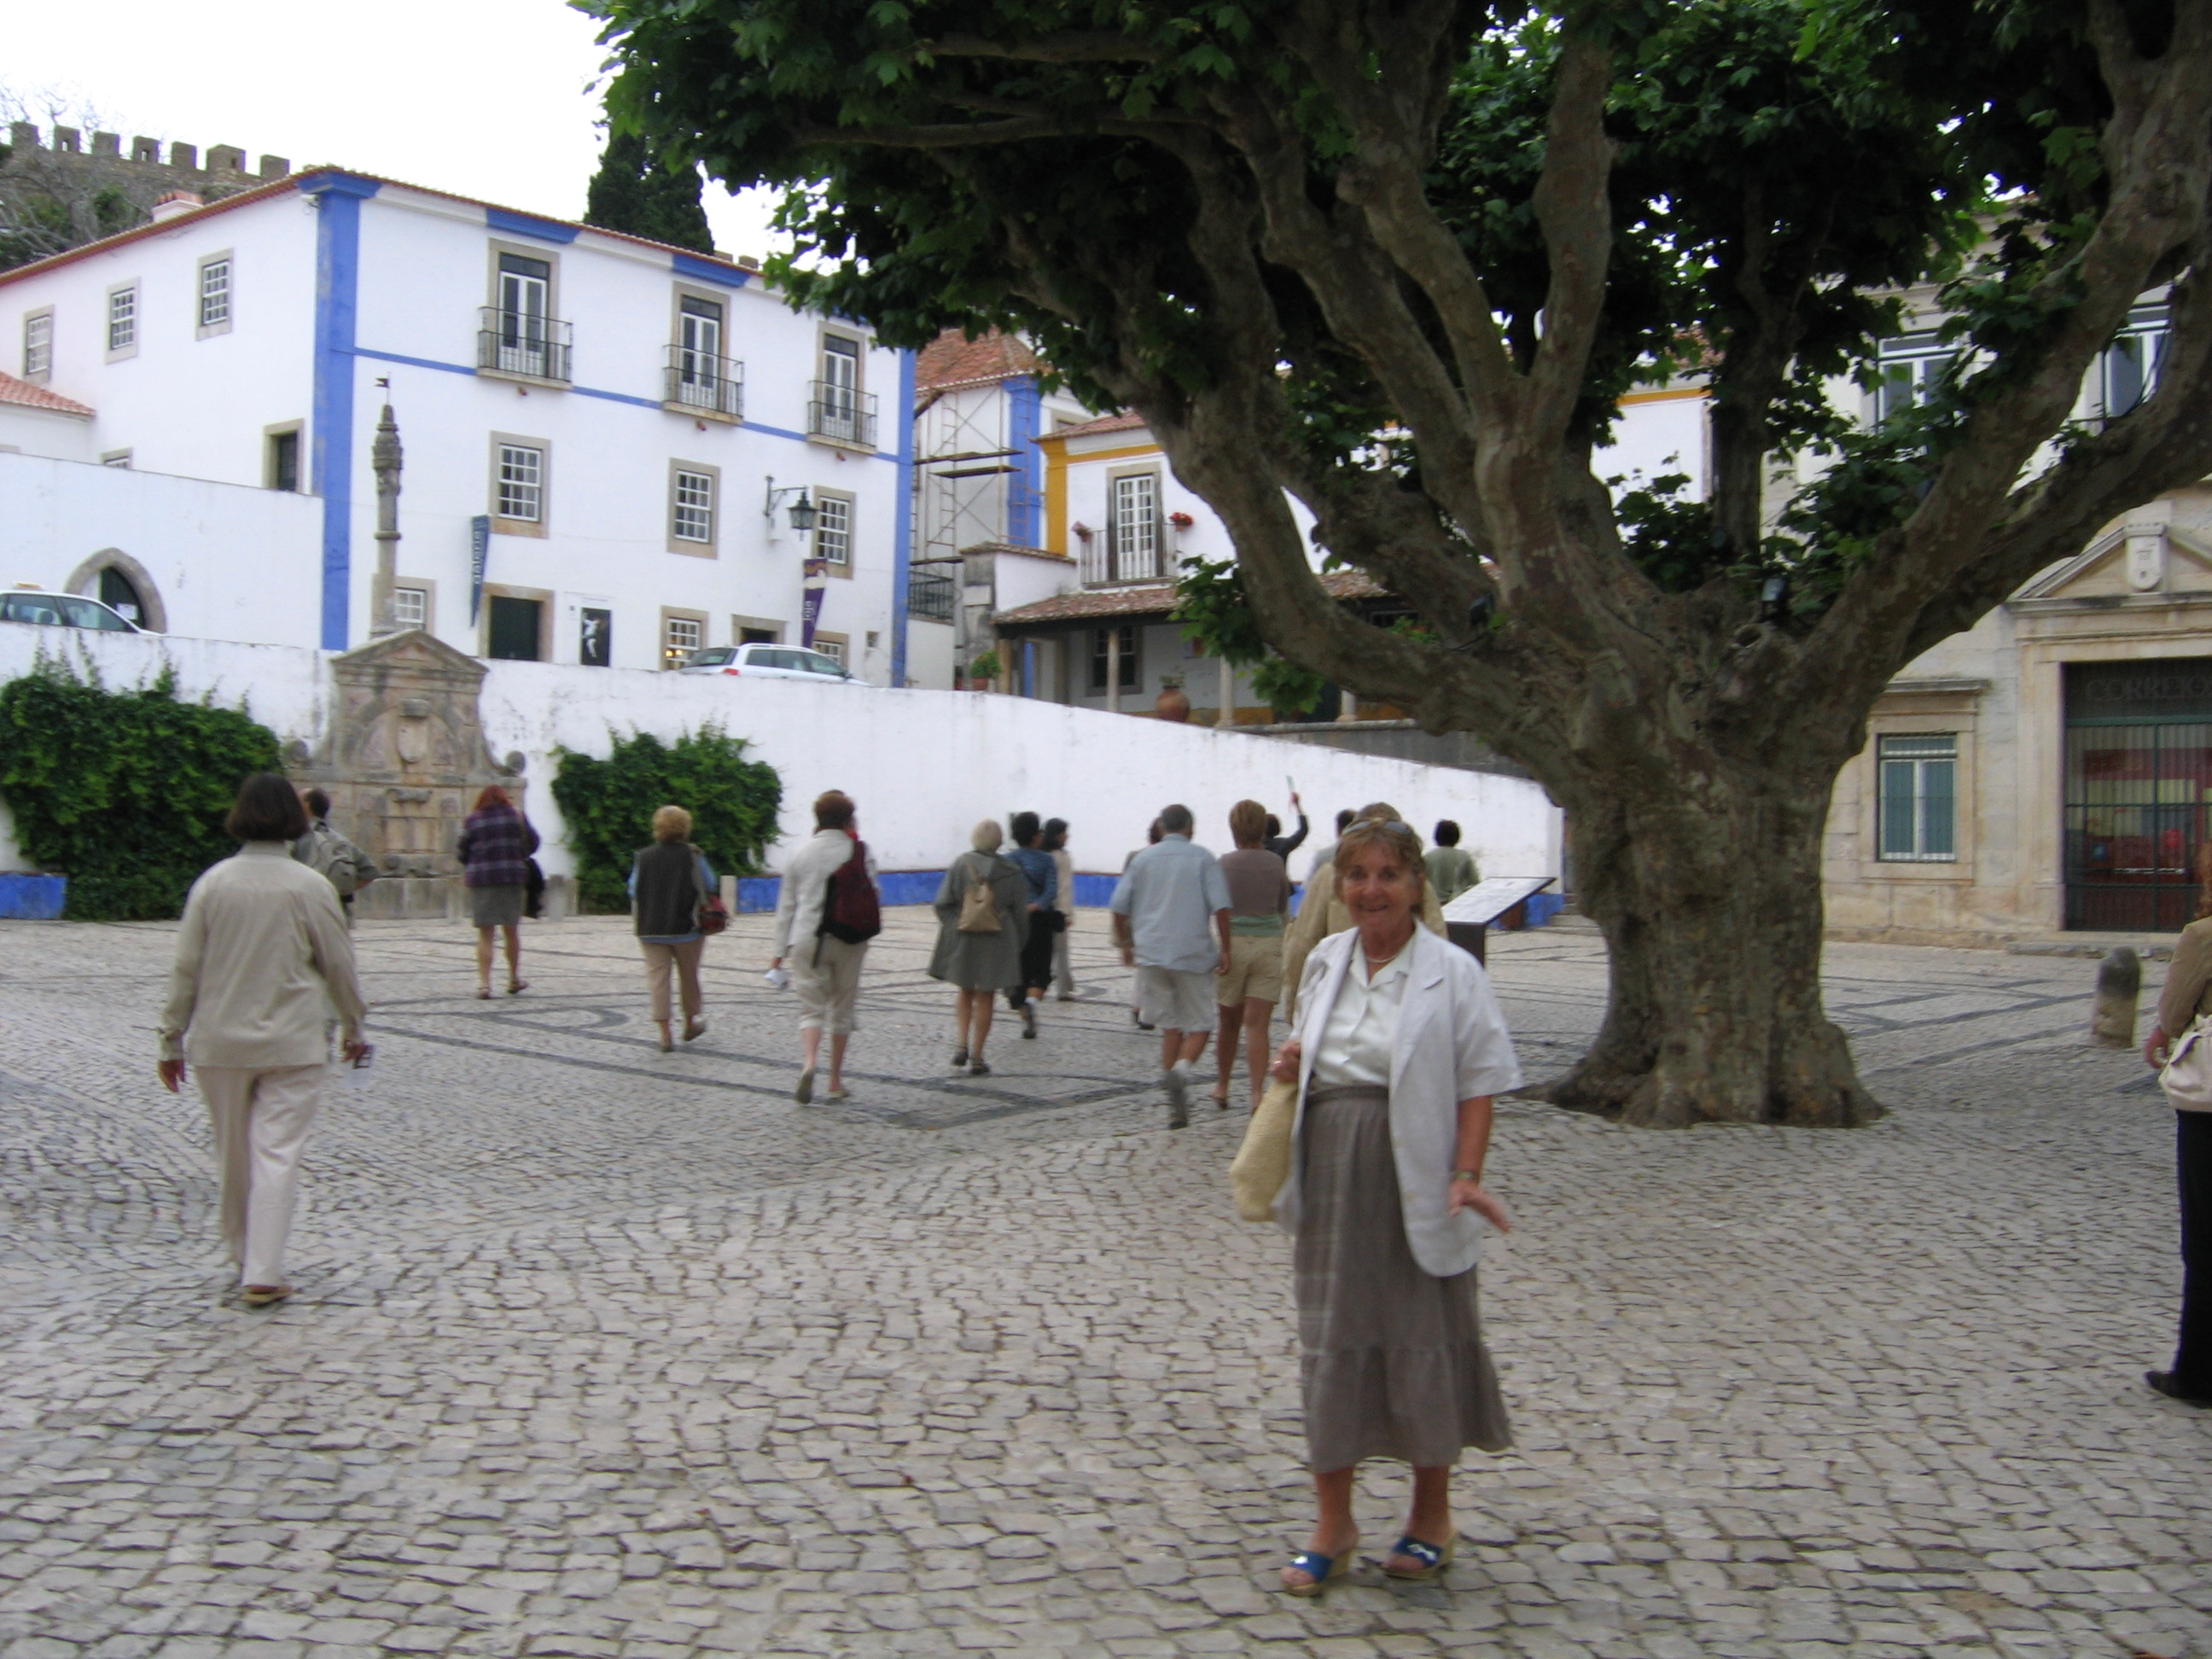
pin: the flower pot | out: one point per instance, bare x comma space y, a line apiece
1171, 704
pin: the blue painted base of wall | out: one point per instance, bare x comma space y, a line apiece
1542, 906
33, 898
759, 893
1094, 892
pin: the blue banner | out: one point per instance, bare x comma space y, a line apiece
479, 548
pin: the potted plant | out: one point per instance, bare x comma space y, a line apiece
1172, 703
983, 672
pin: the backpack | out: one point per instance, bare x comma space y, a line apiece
332, 855
850, 910
979, 905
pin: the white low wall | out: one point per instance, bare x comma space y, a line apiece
923, 765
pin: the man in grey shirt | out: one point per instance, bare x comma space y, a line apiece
1171, 920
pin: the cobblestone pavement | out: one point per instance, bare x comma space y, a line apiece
601, 1351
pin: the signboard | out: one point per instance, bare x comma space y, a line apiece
1486, 900
809, 607
479, 550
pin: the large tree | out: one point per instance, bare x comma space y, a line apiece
1401, 259
634, 193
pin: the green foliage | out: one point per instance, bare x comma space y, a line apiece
1212, 606
984, 668
609, 805
633, 193
122, 791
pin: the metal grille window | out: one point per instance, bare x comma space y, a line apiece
1918, 804
38, 345
521, 483
1134, 529
833, 530
410, 606
693, 520
215, 293
681, 636
1911, 367
931, 594
122, 320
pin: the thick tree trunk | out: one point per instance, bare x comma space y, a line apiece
1710, 899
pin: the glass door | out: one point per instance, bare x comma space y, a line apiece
2138, 786
524, 295
699, 353
841, 388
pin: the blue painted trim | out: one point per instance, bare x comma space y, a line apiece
1025, 490
1094, 892
759, 894
414, 363
709, 270
616, 396
903, 531
338, 289
43, 898
529, 225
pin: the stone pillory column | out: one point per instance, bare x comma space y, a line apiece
384, 456
2119, 981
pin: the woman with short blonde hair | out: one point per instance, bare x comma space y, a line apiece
668, 883
979, 945
672, 823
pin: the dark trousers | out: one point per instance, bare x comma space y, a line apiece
2192, 1358
1036, 957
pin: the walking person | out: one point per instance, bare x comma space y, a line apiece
1451, 868
261, 952
1063, 869
330, 854
1042, 875
497, 843
983, 920
1276, 842
1171, 921
669, 881
1398, 1053
827, 911
1323, 913
1258, 905
1136, 1001
2188, 993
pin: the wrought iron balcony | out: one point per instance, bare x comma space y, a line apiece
1140, 558
712, 386
523, 343
838, 412
931, 594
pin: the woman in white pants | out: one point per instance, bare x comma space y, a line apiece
262, 954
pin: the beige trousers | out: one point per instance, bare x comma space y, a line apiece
261, 1119
684, 959
826, 973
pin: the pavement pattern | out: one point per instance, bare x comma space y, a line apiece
607, 1353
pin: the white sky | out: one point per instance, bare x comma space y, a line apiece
485, 98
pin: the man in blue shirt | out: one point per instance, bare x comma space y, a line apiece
1171, 920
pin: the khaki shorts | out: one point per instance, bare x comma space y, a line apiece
1175, 1000
1255, 969
826, 973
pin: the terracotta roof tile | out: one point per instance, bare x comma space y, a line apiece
952, 359
1155, 599
1126, 422
24, 395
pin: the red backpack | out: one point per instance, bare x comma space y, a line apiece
850, 911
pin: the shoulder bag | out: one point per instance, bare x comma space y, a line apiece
2186, 1077
711, 915
979, 905
1263, 1162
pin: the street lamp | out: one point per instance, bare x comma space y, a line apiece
801, 511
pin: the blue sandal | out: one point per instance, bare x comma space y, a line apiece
1432, 1559
1318, 1567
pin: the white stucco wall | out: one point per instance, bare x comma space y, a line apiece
923, 765
42, 432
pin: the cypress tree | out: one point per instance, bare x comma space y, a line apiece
632, 193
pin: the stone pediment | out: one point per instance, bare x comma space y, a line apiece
415, 652
2144, 559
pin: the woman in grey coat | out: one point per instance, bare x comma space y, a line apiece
981, 962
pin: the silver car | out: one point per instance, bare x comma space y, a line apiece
769, 662
29, 604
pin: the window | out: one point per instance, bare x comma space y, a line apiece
595, 637
1100, 638
829, 654
681, 634
1133, 528
519, 484
699, 376
840, 411
2128, 369
1918, 790
691, 517
38, 345
512, 627
520, 334
215, 293
833, 531
410, 607
284, 460
122, 320
115, 457
756, 633
117, 593
1909, 367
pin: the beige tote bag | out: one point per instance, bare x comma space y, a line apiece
2186, 1077
979, 905
1263, 1162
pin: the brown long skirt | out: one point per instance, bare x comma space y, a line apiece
1392, 1356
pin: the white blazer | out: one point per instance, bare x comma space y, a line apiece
1452, 1045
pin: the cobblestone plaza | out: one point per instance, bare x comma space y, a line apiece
601, 1351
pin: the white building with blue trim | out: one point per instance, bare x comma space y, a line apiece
618, 429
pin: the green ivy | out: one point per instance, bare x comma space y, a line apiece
122, 791
609, 805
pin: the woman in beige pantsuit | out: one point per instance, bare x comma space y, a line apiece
1397, 1050
668, 883
262, 952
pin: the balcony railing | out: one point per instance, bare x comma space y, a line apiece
1140, 561
841, 413
523, 343
931, 594
715, 385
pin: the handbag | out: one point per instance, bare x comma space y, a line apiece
979, 905
2186, 1077
713, 918
1263, 1162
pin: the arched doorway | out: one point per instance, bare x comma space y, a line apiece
119, 580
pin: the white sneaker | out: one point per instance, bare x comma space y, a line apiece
1178, 1088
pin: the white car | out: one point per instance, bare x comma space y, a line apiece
769, 662
29, 604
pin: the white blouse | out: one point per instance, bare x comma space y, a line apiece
1362, 1032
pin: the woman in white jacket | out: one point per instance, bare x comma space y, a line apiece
1398, 1047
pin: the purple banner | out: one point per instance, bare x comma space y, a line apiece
809, 607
